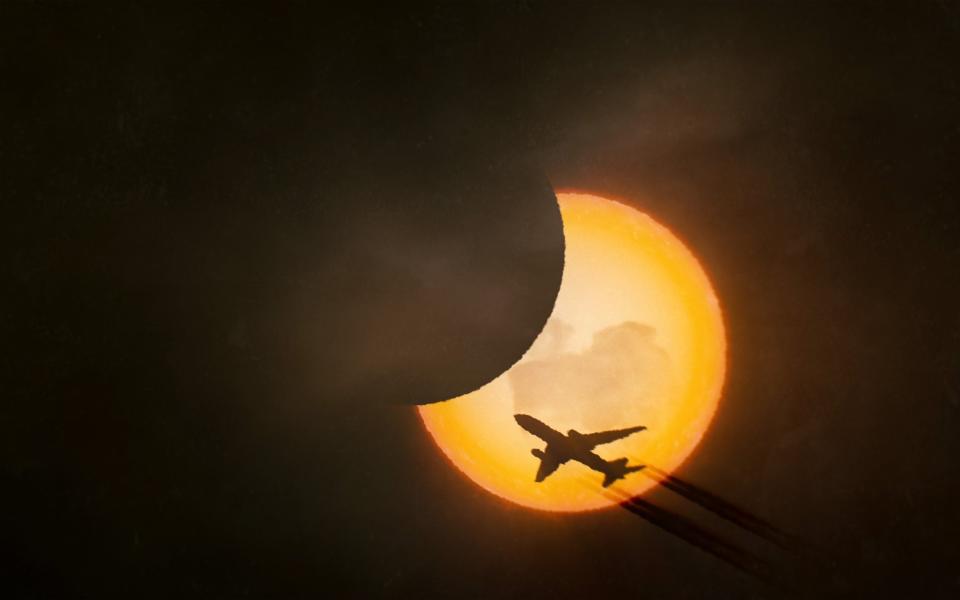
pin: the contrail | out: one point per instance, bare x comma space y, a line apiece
722, 508
689, 532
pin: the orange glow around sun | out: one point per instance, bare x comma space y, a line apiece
636, 338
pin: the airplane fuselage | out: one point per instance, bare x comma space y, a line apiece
566, 450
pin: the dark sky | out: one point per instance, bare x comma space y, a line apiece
238, 244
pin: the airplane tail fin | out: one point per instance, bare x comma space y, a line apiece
618, 469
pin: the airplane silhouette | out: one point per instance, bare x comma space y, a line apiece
577, 446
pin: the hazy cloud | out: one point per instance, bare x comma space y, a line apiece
621, 377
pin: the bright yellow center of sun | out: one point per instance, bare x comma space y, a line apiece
636, 338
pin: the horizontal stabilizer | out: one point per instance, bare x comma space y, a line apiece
618, 469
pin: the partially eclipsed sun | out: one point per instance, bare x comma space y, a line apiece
636, 338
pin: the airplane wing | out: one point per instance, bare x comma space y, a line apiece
548, 464
605, 437
538, 428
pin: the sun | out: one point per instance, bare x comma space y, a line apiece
636, 338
